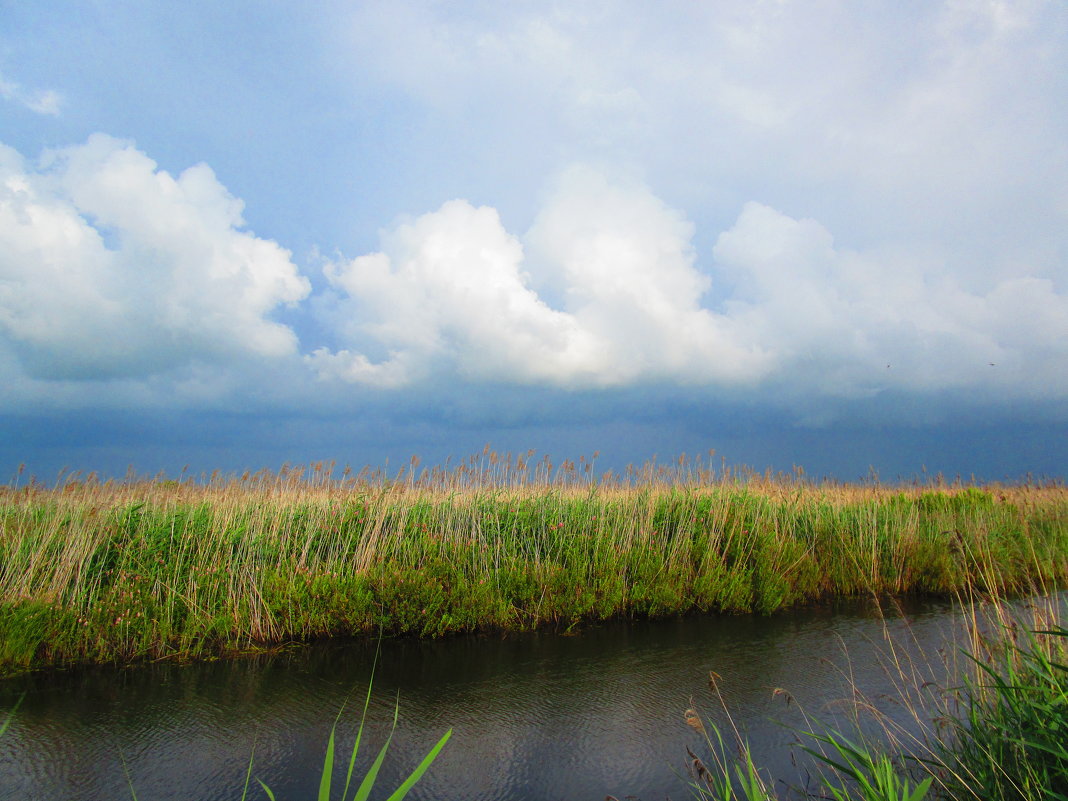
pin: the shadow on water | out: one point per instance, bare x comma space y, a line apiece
535, 716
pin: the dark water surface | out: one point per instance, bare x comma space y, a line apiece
535, 716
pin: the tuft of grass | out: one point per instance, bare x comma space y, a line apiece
367, 784
730, 777
873, 777
1012, 743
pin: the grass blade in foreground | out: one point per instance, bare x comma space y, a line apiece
364, 790
875, 776
417, 774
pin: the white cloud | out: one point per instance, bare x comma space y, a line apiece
41, 101
450, 291
112, 267
626, 262
453, 293
845, 323
930, 140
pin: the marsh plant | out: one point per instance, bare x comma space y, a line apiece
998, 733
362, 791
118, 571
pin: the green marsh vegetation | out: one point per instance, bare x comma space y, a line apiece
988, 722
120, 571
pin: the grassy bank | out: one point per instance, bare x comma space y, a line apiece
119, 571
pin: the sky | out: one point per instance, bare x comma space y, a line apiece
825, 234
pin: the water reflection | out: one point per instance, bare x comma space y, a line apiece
537, 716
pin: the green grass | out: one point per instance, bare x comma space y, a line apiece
123, 571
999, 735
94, 571
1012, 743
366, 785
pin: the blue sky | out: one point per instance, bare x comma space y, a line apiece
830, 234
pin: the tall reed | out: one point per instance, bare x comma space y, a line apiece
96, 570
996, 731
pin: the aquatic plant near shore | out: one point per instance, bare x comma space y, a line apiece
874, 776
120, 571
999, 735
363, 791
1012, 743
862, 774
367, 784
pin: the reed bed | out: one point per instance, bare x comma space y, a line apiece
117, 571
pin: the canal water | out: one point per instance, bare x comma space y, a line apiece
536, 716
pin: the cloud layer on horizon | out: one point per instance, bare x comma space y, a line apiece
112, 269
452, 291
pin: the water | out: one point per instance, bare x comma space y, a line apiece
535, 716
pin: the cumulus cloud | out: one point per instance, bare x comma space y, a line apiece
448, 292
453, 293
627, 263
112, 267
40, 101
848, 323
451, 290
910, 166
